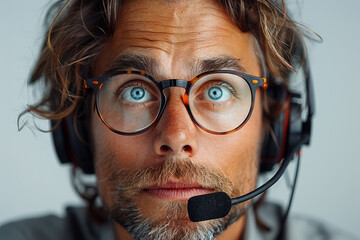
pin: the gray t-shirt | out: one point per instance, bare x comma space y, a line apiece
76, 225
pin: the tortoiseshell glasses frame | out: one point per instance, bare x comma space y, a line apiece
253, 83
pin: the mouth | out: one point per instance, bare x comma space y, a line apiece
176, 190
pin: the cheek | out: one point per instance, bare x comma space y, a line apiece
113, 151
100, 140
238, 154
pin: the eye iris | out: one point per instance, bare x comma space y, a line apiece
137, 93
215, 93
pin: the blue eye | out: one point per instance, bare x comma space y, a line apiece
215, 93
135, 94
218, 94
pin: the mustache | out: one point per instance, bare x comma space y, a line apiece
129, 182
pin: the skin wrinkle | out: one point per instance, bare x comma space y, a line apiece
170, 47
165, 29
241, 69
207, 11
175, 44
149, 47
163, 41
171, 38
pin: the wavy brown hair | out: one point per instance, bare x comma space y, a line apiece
78, 31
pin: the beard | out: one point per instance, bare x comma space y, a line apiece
173, 222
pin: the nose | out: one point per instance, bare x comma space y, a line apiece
176, 132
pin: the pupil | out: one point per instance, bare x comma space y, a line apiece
137, 93
215, 93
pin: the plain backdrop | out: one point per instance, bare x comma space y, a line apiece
32, 182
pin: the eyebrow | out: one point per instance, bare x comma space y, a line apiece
150, 65
217, 63
134, 61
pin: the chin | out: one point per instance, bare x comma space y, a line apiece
169, 220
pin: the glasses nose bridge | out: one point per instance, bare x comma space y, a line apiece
175, 83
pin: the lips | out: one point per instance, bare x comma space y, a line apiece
176, 190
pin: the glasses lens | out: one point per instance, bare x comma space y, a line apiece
220, 102
129, 102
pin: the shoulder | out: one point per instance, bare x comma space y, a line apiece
74, 225
304, 227
298, 227
46, 227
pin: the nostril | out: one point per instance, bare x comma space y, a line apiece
186, 148
165, 148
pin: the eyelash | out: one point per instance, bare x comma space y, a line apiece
122, 88
228, 86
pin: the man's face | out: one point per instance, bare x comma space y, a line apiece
145, 180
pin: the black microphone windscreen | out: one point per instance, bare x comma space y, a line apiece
209, 206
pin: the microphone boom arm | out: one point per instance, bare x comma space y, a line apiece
265, 186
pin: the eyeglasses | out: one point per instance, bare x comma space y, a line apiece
131, 102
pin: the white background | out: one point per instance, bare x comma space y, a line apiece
32, 182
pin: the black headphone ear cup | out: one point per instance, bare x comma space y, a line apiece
296, 128
59, 136
288, 132
71, 141
275, 138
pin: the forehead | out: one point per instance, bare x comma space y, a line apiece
177, 35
